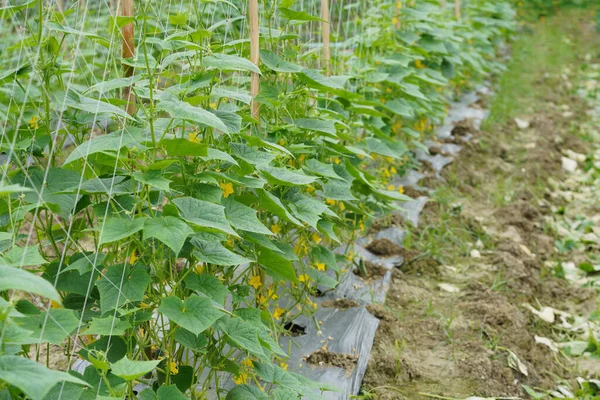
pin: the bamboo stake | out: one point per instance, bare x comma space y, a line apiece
128, 52
443, 4
325, 32
457, 9
254, 57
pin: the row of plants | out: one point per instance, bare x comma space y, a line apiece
169, 249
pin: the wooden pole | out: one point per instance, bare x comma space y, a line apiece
457, 9
443, 4
128, 52
254, 57
325, 31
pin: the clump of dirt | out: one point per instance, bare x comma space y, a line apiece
371, 271
421, 265
342, 304
384, 247
414, 193
463, 128
327, 358
379, 312
386, 222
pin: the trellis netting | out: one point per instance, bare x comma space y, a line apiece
183, 184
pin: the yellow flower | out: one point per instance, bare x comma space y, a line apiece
330, 202
33, 122
396, 127
248, 363
391, 187
315, 238
199, 268
275, 229
278, 313
398, 4
320, 266
144, 305
361, 225
241, 379
401, 189
271, 294
193, 137
301, 158
342, 206
350, 256
283, 366
382, 100
282, 142
386, 173
174, 368
310, 188
389, 90
393, 170
389, 159
55, 304
213, 105
227, 188
395, 21
336, 160
255, 282
133, 258
419, 64
304, 278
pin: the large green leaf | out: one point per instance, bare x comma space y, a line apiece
209, 285
277, 265
117, 228
87, 104
196, 314
247, 392
243, 334
287, 177
272, 61
130, 370
317, 125
191, 341
244, 217
32, 378
170, 230
182, 110
22, 256
204, 214
111, 142
272, 203
213, 252
122, 284
107, 326
53, 326
229, 63
183, 147
19, 279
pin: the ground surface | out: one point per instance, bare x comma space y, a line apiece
491, 292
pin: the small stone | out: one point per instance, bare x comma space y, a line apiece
522, 123
568, 164
448, 287
475, 253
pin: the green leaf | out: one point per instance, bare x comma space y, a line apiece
277, 265
107, 326
229, 63
93, 106
276, 375
298, 15
196, 314
170, 230
286, 177
213, 252
22, 256
183, 147
244, 218
130, 370
32, 378
170, 392
53, 326
190, 340
272, 61
229, 92
182, 110
319, 168
246, 392
317, 125
243, 334
209, 285
273, 204
117, 228
110, 142
20, 279
204, 214
153, 179
9, 189
122, 284
252, 155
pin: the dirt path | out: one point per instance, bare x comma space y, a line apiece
493, 303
